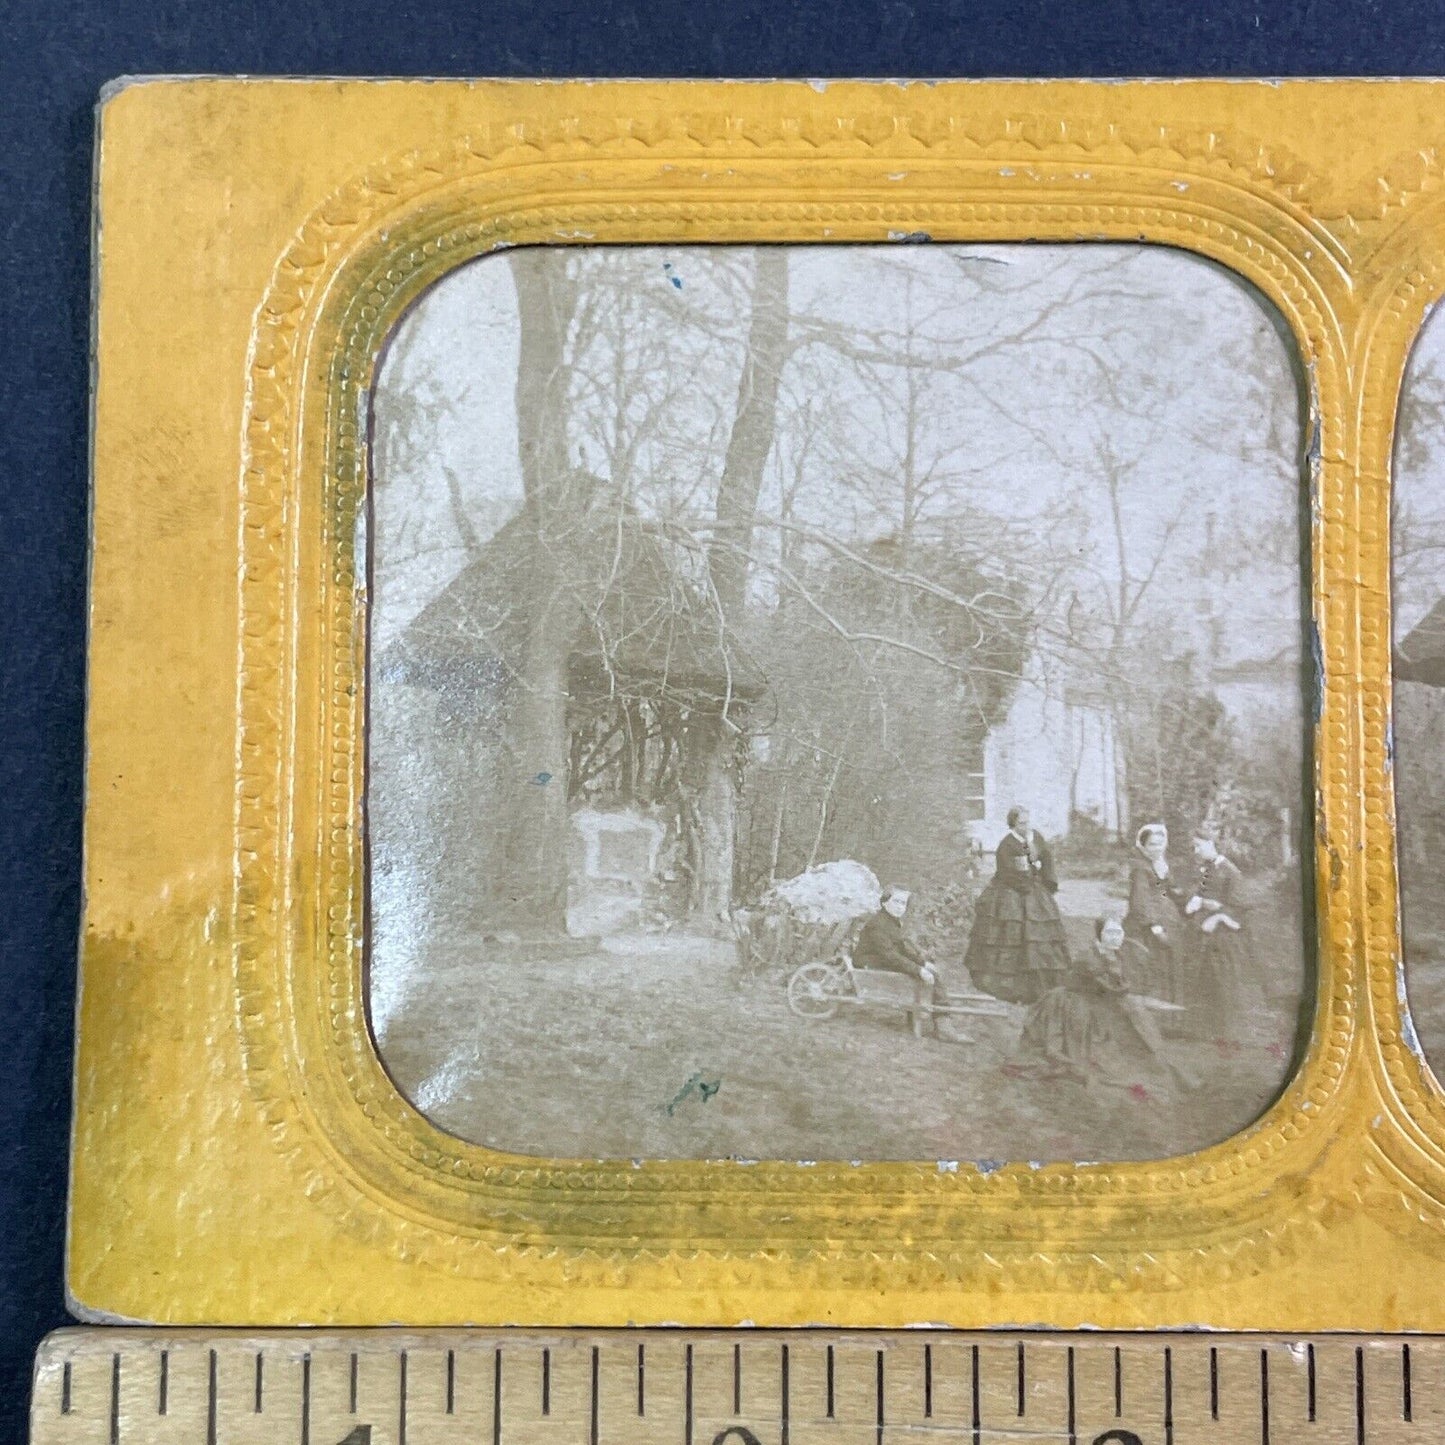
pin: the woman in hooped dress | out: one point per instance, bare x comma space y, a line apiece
1017, 950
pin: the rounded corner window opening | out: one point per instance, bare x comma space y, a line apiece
839, 702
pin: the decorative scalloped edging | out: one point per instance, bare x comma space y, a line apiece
1255, 182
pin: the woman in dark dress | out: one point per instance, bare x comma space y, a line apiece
1223, 985
1154, 923
1092, 1029
1017, 950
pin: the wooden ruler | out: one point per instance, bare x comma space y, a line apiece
126, 1386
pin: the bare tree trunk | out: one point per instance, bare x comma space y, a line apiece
711, 788
712, 777
909, 521
754, 424
533, 894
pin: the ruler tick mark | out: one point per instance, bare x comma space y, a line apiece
1406, 1408
687, 1395
592, 1435
401, 1400
451, 1382
305, 1400
977, 1416
354, 1370
211, 1400
115, 1399
65, 1389
928, 1382
547, 1381
1022, 1386
1214, 1384
1310, 1379
1118, 1383
497, 1396
642, 1379
1359, 1395
1264, 1397
1168, 1396
878, 1391
830, 1381
737, 1381
162, 1404
1073, 1416
260, 1368
783, 1393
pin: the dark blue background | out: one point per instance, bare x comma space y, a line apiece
53, 59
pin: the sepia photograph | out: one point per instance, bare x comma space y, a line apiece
849, 703
1417, 557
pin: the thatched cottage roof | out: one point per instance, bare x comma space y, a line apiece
640, 626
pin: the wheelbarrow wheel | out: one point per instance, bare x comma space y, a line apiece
813, 991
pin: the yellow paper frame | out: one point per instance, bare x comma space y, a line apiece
240, 1155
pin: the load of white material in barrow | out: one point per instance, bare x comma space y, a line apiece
830, 893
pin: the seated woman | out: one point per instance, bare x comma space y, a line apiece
1091, 1029
1017, 949
1153, 922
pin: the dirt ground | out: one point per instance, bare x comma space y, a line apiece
656, 1049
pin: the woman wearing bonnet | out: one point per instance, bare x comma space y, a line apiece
1154, 921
